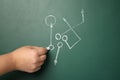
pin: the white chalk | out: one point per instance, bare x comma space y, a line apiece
48, 48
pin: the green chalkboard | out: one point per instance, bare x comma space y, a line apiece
85, 34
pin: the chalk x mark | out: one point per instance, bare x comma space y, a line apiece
83, 20
66, 38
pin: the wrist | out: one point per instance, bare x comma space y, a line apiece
7, 63
13, 61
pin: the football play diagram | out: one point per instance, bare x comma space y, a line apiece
50, 21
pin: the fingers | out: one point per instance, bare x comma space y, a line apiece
42, 51
42, 58
41, 55
39, 50
34, 70
37, 69
40, 61
39, 64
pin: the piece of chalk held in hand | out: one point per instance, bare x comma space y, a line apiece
48, 48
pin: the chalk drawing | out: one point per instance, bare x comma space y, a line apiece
50, 21
59, 45
83, 20
65, 38
50, 24
58, 36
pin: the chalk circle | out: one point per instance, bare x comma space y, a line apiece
50, 20
65, 38
51, 47
59, 44
57, 36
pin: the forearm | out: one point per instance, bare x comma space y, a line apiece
6, 63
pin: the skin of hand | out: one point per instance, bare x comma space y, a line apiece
28, 59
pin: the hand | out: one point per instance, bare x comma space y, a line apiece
29, 58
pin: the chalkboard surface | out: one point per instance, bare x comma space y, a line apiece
84, 37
